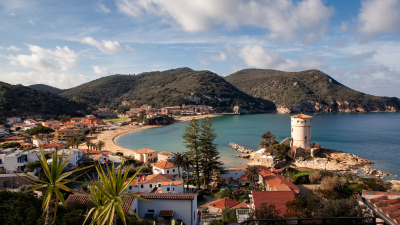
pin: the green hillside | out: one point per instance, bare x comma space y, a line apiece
310, 90
44, 87
20, 100
167, 88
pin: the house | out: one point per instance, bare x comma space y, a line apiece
91, 121
218, 206
77, 119
37, 142
30, 122
16, 139
27, 146
275, 182
105, 112
161, 183
277, 198
264, 158
73, 160
146, 155
169, 206
102, 157
234, 173
53, 146
385, 205
12, 159
12, 120
65, 134
165, 167
165, 156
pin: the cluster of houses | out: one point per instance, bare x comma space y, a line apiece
171, 110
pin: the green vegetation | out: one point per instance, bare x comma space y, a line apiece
272, 146
288, 89
40, 131
116, 120
44, 87
11, 145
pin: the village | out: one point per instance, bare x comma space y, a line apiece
232, 194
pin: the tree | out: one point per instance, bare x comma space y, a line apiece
178, 161
268, 138
186, 163
210, 155
342, 208
305, 205
33, 165
40, 130
192, 143
108, 195
229, 216
18, 129
266, 211
55, 182
88, 143
252, 173
100, 145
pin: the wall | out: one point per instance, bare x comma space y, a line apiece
12, 181
235, 174
301, 132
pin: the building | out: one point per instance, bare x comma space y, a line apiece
165, 167
234, 173
146, 155
165, 156
168, 206
53, 146
301, 131
12, 120
277, 198
65, 134
275, 182
102, 157
13, 159
16, 139
91, 121
218, 206
160, 183
264, 158
73, 160
385, 205
105, 112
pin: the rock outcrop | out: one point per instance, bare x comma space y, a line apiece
368, 171
240, 148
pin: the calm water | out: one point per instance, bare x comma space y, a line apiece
374, 136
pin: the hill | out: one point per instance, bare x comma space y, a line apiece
20, 100
44, 87
167, 88
307, 91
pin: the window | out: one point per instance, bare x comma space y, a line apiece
167, 171
150, 185
173, 189
130, 188
141, 186
168, 189
159, 185
150, 211
173, 170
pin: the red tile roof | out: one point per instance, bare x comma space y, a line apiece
243, 177
288, 183
387, 203
278, 198
164, 165
145, 151
88, 151
175, 196
242, 204
100, 155
224, 203
168, 213
155, 178
302, 116
84, 198
15, 138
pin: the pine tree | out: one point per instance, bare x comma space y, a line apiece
192, 143
210, 154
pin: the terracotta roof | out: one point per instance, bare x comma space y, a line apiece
53, 145
302, 116
278, 182
84, 198
243, 177
155, 178
175, 196
224, 203
288, 183
145, 150
164, 165
387, 203
15, 138
168, 213
242, 204
278, 198
100, 155
88, 151
165, 153
236, 168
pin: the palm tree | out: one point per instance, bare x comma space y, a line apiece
186, 162
88, 143
100, 145
178, 161
56, 180
108, 194
252, 173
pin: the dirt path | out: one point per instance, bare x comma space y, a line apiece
210, 200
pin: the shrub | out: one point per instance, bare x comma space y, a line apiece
331, 183
315, 177
25, 187
200, 194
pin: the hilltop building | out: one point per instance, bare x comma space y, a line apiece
301, 131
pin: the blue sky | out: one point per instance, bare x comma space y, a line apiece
67, 43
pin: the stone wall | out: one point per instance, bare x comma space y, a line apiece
12, 181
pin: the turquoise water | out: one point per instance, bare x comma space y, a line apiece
374, 136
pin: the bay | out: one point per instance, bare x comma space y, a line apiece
374, 136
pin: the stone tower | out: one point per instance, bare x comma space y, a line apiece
301, 131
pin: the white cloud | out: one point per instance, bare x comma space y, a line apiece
1, 47
108, 47
31, 22
13, 48
101, 8
257, 56
100, 70
204, 62
46, 59
364, 56
219, 58
285, 20
379, 16
56, 79
12, 14
129, 49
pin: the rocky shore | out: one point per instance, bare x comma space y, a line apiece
368, 171
246, 152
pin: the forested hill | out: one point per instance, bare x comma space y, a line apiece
309, 90
167, 88
18, 100
44, 87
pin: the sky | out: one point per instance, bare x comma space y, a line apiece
68, 43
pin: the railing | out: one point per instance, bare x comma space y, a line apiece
327, 220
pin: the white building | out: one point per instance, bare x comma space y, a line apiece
234, 173
13, 159
160, 183
73, 160
12, 120
165, 167
102, 157
169, 206
165, 156
301, 131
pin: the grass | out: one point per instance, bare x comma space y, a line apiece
300, 173
218, 194
116, 120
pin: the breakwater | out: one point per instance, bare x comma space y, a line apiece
240, 148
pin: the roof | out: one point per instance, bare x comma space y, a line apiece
302, 116
145, 150
100, 155
166, 213
52, 145
173, 196
165, 153
242, 204
155, 178
164, 165
88, 151
388, 203
278, 198
224, 203
288, 183
278, 182
15, 138
85, 198
243, 177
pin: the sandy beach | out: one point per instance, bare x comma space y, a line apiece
108, 136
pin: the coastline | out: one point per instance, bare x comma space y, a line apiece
109, 136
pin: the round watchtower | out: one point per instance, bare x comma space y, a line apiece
301, 131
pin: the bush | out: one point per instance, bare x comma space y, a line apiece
332, 183
302, 179
200, 194
314, 177
25, 187
342, 208
373, 184
33, 165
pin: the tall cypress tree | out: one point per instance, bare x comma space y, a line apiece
192, 143
210, 155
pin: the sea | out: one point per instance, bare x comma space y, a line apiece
374, 136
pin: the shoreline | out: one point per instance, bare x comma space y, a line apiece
109, 136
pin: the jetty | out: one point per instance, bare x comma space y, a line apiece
240, 148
